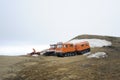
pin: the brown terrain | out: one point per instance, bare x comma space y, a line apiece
65, 68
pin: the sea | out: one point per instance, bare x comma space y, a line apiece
16, 50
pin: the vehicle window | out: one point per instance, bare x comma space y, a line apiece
82, 45
71, 45
86, 44
53, 46
59, 46
65, 46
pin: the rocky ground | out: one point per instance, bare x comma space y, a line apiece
65, 68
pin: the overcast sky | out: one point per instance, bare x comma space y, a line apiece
49, 21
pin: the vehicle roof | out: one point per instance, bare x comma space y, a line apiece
83, 42
68, 43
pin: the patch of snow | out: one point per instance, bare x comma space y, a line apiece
93, 42
86, 54
98, 55
35, 55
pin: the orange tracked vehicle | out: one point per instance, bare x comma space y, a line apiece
70, 49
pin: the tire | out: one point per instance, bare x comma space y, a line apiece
66, 55
72, 54
75, 53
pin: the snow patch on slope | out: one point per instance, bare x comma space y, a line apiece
86, 54
93, 42
98, 55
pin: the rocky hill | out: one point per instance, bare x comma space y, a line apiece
71, 68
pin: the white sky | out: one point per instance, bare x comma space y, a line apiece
51, 21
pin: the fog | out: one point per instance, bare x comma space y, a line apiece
41, 22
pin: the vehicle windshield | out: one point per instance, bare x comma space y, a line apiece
59, 46
52, 46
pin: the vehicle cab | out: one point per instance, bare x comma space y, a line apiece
63, 48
